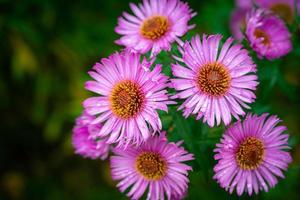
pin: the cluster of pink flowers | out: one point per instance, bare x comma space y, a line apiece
217, 83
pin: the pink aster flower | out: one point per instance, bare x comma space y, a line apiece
156, 166
154, 25
283, 8
129, 96
268, 35
252, 155
84, 141
215, 81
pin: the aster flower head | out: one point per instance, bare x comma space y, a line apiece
154, 26
157, 166
130, 93
268, 34
251, 155
215, 81
283, 8
85, 141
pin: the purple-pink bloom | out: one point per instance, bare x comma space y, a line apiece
283, 8
156, 167
251, 155
130, 93
268, 35
85, 141
215, 81
154, 26
286, 9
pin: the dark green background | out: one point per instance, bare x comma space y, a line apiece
47, 48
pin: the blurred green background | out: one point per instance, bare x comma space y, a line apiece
47, 48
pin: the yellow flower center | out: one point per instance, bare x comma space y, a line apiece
155, 27
250, 154
213, 79
126, 99
151, 165
261, 34
284, 11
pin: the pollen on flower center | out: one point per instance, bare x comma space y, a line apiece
126, 99
151, 165
261, 34
250, 154
284, 11
155, 27
213, 79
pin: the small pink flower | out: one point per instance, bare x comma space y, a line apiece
268, 35
216, 82
155, 25
251, 155
156, 167
130, 93
283, 8
84, 141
